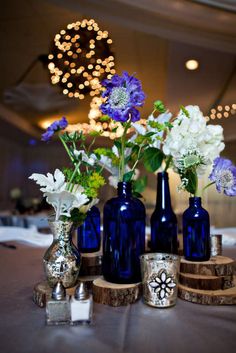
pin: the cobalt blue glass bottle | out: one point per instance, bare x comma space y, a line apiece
196, 231
88, 234
124, 236
163, 220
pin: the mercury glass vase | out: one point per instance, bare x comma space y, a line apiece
163, 219
89, 234
196, 231
124, 236
62, 260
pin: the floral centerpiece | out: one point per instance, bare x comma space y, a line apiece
71, 193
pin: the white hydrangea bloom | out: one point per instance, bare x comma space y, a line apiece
193, 133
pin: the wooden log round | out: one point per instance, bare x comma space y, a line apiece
216, 266
115, 294
91, 264
206, 282
207, 297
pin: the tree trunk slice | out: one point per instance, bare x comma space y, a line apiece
91, 264
216, 266
115, 294
206, 282
208, 297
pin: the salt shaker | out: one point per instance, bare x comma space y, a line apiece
81, 306
58, 308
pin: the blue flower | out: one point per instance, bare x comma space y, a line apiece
55, 126
124, 93
224, 175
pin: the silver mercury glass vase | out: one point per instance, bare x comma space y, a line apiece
62, 260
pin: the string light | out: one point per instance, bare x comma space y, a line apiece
81, 53
222, 111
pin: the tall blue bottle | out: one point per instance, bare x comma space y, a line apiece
163, 220
89, 234
196, 231
124, 236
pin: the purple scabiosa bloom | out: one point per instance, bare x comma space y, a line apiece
55, 126
124, 93
224, 175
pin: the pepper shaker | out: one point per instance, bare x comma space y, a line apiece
58, 308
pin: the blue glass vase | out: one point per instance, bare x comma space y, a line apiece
163, 220
196, 231
124, 236
89, 234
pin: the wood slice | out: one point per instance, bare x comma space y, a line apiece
208, 297
216, 266
115, 294
91, 264
42, 292
206, 282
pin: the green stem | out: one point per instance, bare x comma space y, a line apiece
207, 186
72, 177
122, 157
168, 161
66, 148
138, 156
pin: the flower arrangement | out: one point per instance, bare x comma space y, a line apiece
73, 191
189, 145
123, 96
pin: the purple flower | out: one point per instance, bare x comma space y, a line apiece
55, 126
124, 93
224, 175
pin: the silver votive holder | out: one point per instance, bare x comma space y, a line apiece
160, 279
216, 244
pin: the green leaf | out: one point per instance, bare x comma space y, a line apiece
153, 158
139, 184
191, 175
159, 106
128, 176
184, 110
117, 144
104, 118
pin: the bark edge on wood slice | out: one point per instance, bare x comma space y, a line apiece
115, 294
216, 266
206, 282
208, 297
91, 264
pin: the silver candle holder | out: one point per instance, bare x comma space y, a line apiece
160, 279
216, 244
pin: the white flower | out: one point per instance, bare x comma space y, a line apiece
140, 129
86, 208
50, 183
64, 202
193, 133
85, 157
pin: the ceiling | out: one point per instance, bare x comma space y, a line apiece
152, 38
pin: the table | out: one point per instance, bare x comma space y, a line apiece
137, 328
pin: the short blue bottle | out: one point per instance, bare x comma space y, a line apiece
163, 220
124, 236
196, 231
89, 234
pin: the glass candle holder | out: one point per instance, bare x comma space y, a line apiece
216, 244
160, 279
